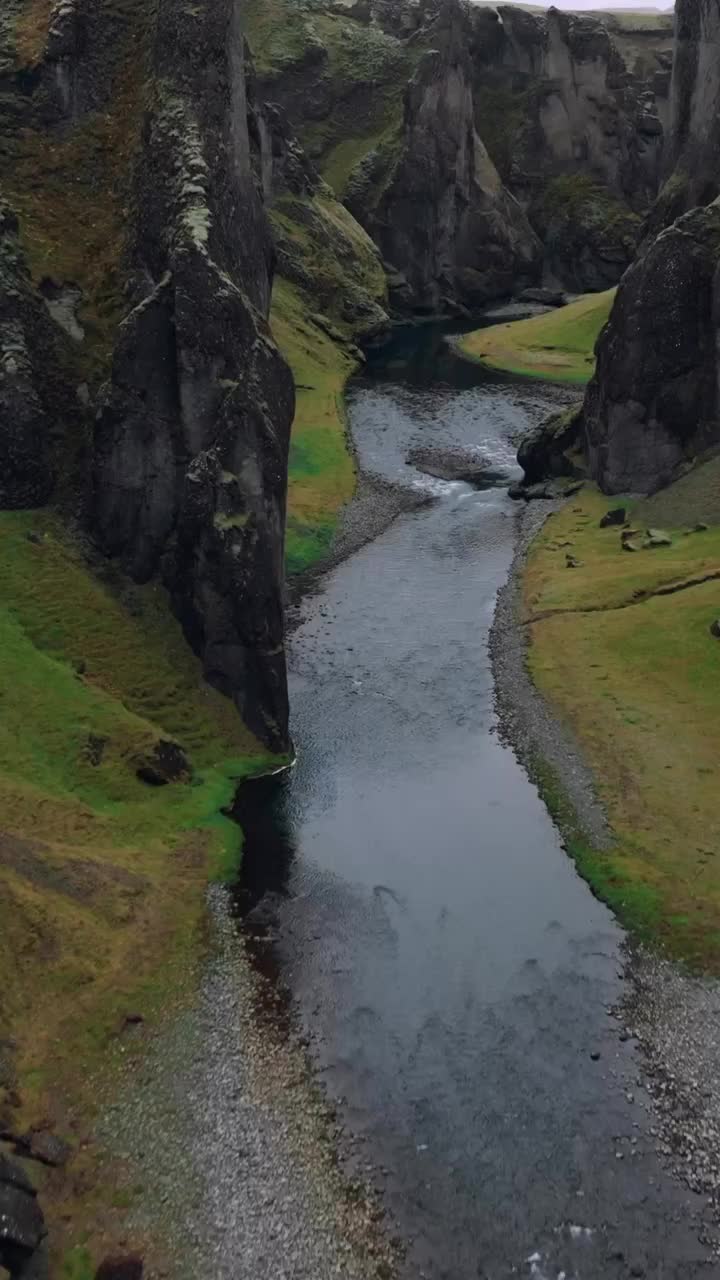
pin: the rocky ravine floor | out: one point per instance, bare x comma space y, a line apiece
226, 1124
673, 1016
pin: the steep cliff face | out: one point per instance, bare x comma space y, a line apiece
653, 404
191, 444
553, 99
138, 192
692, 154
33, 399
571, 109
433, 200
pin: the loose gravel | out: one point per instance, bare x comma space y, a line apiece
224, 1126
674, 1016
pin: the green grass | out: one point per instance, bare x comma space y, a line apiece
338, 281
322, 473
557, 346
101, 875
637, 678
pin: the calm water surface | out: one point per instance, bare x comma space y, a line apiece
452, 970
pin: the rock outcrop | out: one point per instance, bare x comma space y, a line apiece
554, 97
433, 201
572, 110
653, 403
692, 153
191, 443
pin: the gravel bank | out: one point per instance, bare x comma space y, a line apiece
673, 1016
526, 721
227, 1132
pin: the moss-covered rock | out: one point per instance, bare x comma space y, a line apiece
589, 236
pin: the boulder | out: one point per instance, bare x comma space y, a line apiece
615, 516
715, 628
552, 448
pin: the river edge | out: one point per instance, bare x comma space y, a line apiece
673, 1016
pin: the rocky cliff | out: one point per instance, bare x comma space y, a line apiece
160, 279
653, 403
190, 449
572, 110
652, 408
432, 198
692, 152
554, 121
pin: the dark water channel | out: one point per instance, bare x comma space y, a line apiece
453, 972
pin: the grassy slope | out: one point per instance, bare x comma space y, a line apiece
321, 472
101, 875
557, 346
334, 263
640, 687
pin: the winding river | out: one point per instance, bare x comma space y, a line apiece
453, 970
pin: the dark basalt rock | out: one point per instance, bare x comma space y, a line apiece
693, 149
191, 442
552, 449
653, 403
31, 400
22, 1227
440, 213
616, 516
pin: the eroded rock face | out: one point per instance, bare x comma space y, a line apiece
572, 110
653, 403
437, 207
693, 148
191, 442
32, 402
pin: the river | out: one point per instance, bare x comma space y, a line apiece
453, 971
408, 895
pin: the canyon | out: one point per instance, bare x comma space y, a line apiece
212, 218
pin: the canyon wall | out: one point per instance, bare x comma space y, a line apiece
459, 135
135, 244
651, 410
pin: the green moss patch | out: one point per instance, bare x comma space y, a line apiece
322, 474
558, 346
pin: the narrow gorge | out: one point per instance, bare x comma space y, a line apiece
360, 523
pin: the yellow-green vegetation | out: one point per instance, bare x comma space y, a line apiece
96, 863
337, 285
621, 646
321, 474
557, 346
